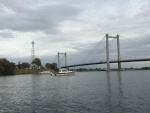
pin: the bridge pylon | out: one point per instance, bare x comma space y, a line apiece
107, 51
59, 59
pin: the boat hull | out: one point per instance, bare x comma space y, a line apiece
64, 74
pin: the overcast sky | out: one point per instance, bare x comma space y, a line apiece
72, 26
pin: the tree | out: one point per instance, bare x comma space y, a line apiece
6, 67
37, 63
25, 65
19, 65
48, 65
51, 66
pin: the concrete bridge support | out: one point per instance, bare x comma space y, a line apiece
118, 49
59, 59
107, 51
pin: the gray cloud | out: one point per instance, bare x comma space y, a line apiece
6, 34
48, 18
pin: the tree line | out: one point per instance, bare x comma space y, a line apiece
8, 68
36, 64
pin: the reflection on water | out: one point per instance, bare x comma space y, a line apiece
121, 96
119, 93
87, 92
109, 94
127, 92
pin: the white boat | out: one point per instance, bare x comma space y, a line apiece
65, 71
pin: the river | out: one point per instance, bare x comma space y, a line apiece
86, 92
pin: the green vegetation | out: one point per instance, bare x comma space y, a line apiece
6, 67
36, 63
145, 68
51, 66
10, 68
24, 65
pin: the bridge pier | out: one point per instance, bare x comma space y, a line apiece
118, 49
58, 61
107, 51
65, 59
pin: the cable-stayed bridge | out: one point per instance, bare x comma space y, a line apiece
104, 62
108, 49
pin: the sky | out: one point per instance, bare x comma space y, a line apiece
72, 26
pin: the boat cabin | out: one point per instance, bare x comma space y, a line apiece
63, 70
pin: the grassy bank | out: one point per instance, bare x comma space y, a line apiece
30, 71
27, 71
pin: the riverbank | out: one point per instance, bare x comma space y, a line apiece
99, 69
27, 71
30, 71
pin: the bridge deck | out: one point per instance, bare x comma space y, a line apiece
104, 62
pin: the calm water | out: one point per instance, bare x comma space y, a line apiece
87, 92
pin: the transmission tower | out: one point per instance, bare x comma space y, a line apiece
32, 51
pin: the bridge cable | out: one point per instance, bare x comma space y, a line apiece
89, 53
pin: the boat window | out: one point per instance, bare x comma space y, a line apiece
64, 70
